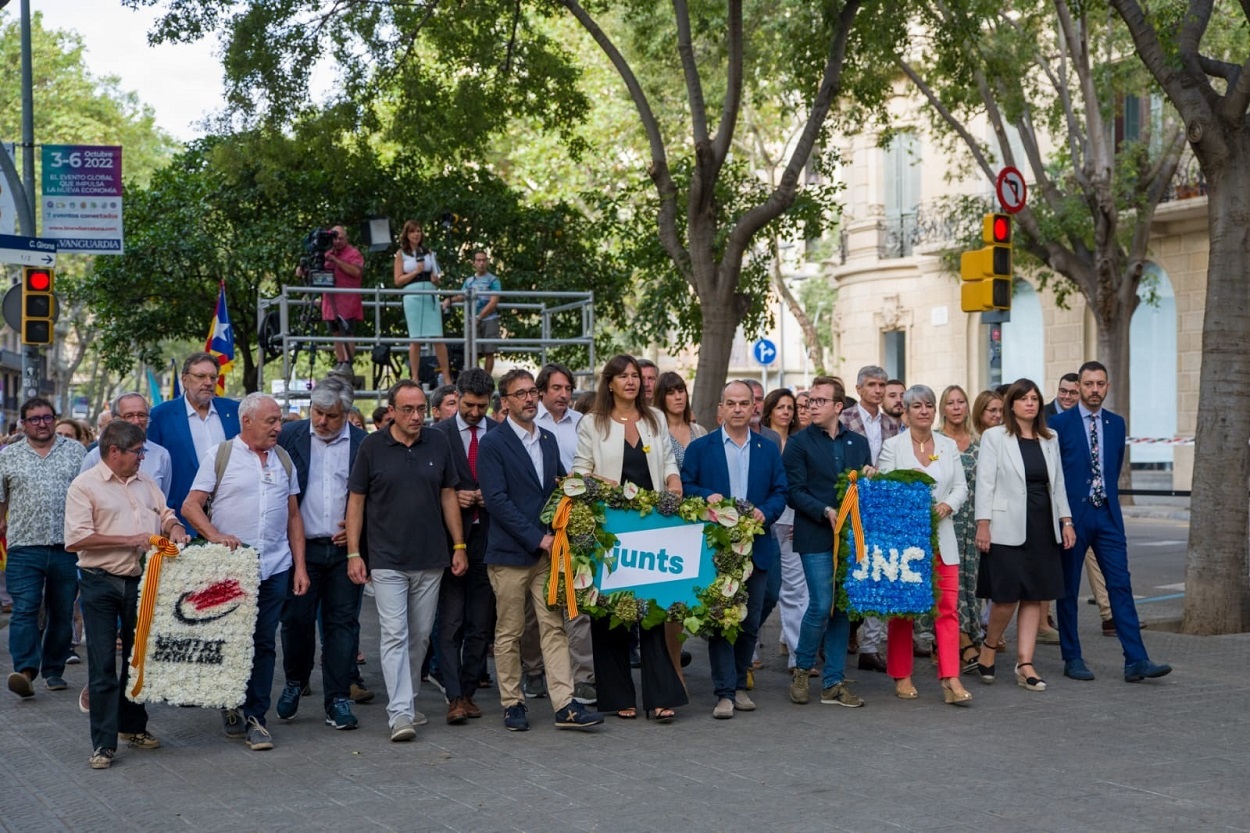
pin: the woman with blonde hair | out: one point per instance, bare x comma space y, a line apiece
955, 422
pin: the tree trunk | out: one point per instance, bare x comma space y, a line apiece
1217, 585
720, 323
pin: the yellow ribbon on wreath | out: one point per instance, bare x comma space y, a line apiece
849, 509
562, 558
162, 548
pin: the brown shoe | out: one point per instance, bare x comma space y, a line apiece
871, 662
456, 712
470, 708
360, 694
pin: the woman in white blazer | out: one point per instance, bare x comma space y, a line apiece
1022, 519
622, 440
921, 449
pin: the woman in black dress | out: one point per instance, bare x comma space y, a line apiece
622, 440
1022, 519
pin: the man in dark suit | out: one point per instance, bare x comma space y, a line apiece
518, 465
737, 462
466, 603
323, 449
814, 459
193, 423
1069, 392
1091, 444
868, 417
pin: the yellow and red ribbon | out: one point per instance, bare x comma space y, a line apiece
562, 558
850, 509
162, 548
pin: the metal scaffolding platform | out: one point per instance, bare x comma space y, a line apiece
293, 335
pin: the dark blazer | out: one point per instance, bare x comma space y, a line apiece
1051, 410
513, 495
467, 481
168, 426
1078, 467
813, 462
705, 472
296, 438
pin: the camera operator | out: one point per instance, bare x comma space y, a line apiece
339, 310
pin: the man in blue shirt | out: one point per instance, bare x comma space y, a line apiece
486, 306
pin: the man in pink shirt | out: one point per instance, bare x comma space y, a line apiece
339, 310
111, 511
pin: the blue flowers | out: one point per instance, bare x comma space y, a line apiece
896, 578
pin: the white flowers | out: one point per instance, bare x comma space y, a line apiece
726, 516
584, 577
629, 490
199, 650
574, 486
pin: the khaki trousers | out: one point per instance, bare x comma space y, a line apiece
512, 585
1097, 585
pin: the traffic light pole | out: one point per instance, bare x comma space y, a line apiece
32, 360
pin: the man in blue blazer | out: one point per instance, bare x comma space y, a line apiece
734, 461
193, 423
814, 459
518, 465
331, 592
1091, 445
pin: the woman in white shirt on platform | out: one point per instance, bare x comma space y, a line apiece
920, 449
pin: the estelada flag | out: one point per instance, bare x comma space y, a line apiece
220, 341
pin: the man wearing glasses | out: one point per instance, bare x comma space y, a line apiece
34, 479
814, 459
111, 511
132, 407
192, 424
403, 477
517, 467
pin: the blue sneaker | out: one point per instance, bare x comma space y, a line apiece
577, 716
1135, 672
1076, 669
340, 714
514, 719
288, 702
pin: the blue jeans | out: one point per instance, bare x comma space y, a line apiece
269, 603
38, 575
819, 625
730, 661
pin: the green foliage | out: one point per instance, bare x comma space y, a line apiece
237, 209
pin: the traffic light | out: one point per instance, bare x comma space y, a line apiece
986, 272
38, 305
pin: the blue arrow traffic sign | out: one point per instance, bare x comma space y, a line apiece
27, 251
765, 352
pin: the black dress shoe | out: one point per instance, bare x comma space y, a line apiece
871, 662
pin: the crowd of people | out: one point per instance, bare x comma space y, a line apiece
436, 514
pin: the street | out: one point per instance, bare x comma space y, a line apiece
1099, 756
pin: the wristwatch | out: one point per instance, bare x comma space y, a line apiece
828, 511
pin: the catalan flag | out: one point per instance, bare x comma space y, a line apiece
220, 341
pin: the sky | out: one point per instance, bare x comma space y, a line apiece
181, 82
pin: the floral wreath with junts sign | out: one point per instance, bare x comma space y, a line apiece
583, 554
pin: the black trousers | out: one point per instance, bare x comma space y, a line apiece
466, 614
106, 600
338, 598
614, 679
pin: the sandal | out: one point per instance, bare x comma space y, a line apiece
969, 664
1028, 681
986, 671
662, 715
627, 714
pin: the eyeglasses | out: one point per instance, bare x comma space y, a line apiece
204, 377
531, 393
409, 410
817, 402
137, 416
139, 452
46, 419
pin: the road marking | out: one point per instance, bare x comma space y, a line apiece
1177, 586
1159, 543
1167, 598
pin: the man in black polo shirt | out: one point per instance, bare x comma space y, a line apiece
403, 477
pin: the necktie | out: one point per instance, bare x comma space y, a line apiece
1098, 492
473, 461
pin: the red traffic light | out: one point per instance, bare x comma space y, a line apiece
1002, 228
38, 280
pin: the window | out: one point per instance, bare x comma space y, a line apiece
902, 192
894, 354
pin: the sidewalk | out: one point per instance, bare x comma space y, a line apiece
1166, 755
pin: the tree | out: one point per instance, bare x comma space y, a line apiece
1212, 96
1046, 71
711, 46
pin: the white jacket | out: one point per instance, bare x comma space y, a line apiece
1002, 495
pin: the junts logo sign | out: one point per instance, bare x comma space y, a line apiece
659, 558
